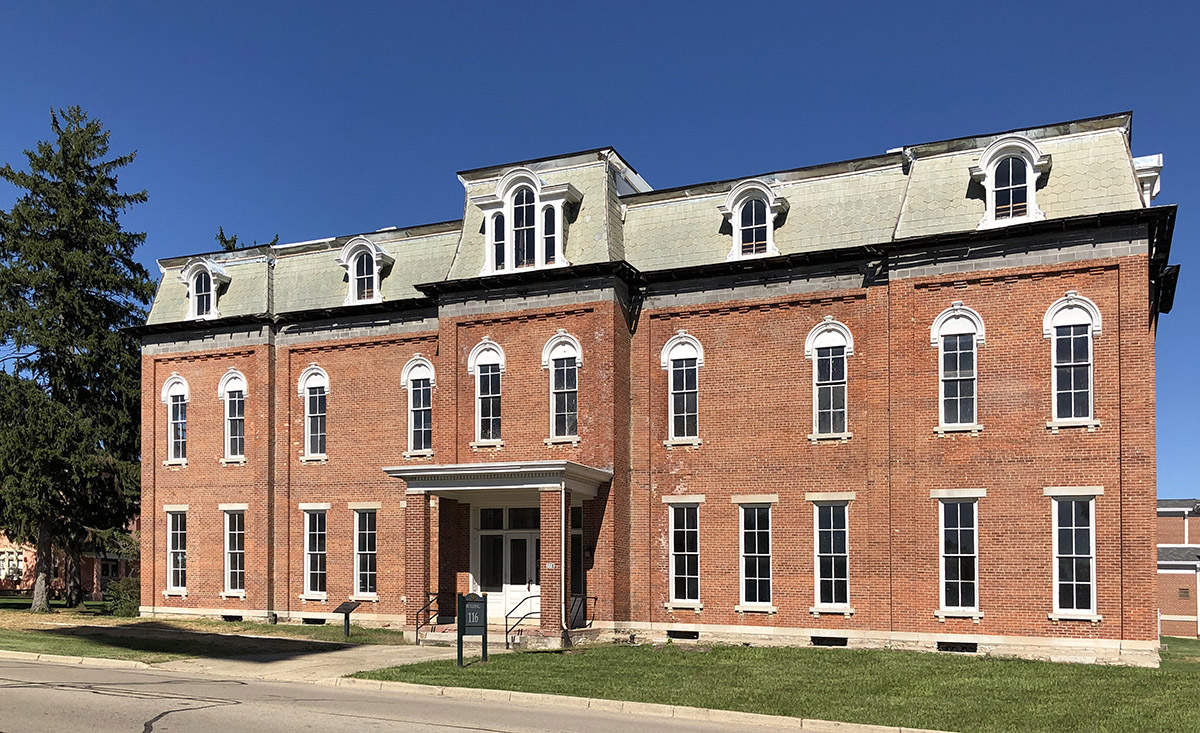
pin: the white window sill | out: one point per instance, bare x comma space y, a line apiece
175, 462
1055, 425
944, 613
989, 223
426, 453
562, 439
366, 597
696, 606
233, 461
315, 458
234, 594
487, 445
755, 608
815, 438
973, 429
1094, 618
306, 597
846, 611
175, 593
682, 442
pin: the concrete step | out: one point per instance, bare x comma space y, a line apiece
450, 638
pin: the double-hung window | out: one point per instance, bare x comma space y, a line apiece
314, 389
202, 294
177, 552
486, 363
1011, 191
1072, 323
314, 552
956, 332
235, 552
417, 378
685, 553
232, 391
828, 345
832, 555
682, 357
364, 552
175, 396
364, 276
756, 554
754, 227
561, 357
525, 243
960, 556
1074, 555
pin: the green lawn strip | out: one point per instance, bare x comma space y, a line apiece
22, 603
864, 686
150, 651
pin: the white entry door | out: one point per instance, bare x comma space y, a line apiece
522, 580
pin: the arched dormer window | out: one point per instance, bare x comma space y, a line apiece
203, 279
1071, 324
231, 390
682, 357
957, 332
175, 395
313, 388
535, 210
1009, 169
364, 262
418, 379
828, 345
752, 208
486, 363
562, 357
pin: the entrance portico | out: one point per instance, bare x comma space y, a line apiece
513, 529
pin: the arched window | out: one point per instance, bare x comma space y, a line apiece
202, 293
752, 208
753, 231
1009, 169
232, 392
1071, 323
561, 357
417, 378
682, 357
486, 363
498, 244
524, 238
364, 276
956, 332
313, 387
828, 345
175, 396
548, 221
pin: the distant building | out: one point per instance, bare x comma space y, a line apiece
1179, 566
905, 400
17, 567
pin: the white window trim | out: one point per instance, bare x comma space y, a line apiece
232, 381
682, 602
171, 588
356, 594
175, 386
1083, 311
941, 327
228, 591
348, 258
1073, 494
818, 608
731, 210
486, 352
423, 368
945, 610
984, 172
307, 510
681, 339
828, 327
313, 376
565, 341
556, 197
745, 605
218, 278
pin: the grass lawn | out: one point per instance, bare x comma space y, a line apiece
938, 691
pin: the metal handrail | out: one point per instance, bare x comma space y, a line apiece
575, 600
530, 614
433, 613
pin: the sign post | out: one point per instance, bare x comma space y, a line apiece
472, 621
346, 609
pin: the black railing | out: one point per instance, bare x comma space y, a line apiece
579, 609
508, 629
431, 612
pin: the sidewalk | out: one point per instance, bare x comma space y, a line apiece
313, 667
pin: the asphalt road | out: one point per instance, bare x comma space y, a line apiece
45, 698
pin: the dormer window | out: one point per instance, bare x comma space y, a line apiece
203, 279
365, 263
753, 210
1009, 170
535, 210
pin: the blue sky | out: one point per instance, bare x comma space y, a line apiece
316, 119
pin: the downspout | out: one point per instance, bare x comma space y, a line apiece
564, 543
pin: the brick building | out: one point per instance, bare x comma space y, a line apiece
97, 570
1178, 567
905, 400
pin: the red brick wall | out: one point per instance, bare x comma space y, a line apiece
1170, 529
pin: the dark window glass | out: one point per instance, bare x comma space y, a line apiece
754, 227
491, 519
421, 414
491, 562
235, 406
684, 399
202, 286
685, 553
178, 427
831, 390
364, 276
524, 518
1072, 372
365, 551
756, 554
959, 554
548, 233
1075, 554
833, 577
316, 421
489, 401
958, 379
498, 241
1010, 190
314, 551
524, 243
565, 397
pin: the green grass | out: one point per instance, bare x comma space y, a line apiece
22, 603
143, 650
939, 691
316, 632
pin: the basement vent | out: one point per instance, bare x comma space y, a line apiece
231, 618
315, 621
828, 640
957, 646
688, 635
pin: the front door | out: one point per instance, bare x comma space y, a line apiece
508, 573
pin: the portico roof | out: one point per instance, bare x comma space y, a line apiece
456, 478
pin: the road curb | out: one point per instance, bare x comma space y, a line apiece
76, 661
619, 706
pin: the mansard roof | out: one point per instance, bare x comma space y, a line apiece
907, 194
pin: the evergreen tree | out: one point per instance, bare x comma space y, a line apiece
231, 243
70, 403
